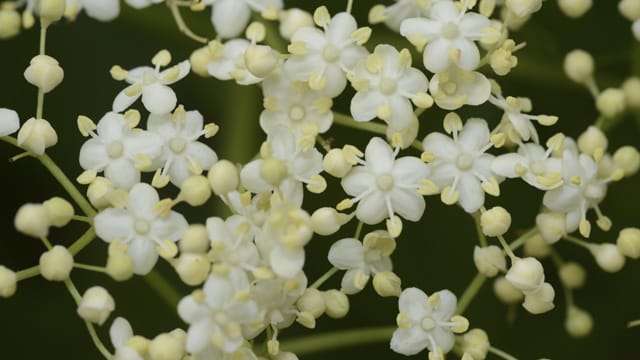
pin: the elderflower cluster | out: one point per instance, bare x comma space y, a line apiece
248, 274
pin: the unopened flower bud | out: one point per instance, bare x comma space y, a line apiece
631, 88
223, 177
502, 61
495, 221
551, 226
574, 8
60, 211
526, 274
327, 221
312, 301
96, 305
56, 264
608, 257
119, 266
572, 275
489, 260
629, 9
591, 139
403, 138
540, 300
628, 159
611, 102
8, 282
194, 240
273, 171
193, 269
195, 190
33, 220
578, 65
523, 7
44, 72
199, 60
51, 10
36, 135
335, 163
537, 247
387, 283
476, 343
261, 60
98, 191
506, 292
9, 22
578, 323
629, 242
166, 347
337, 303
293, 19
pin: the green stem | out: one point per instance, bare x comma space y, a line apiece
578, 242
81, 218
82, 241
182, 26
28, 273
87, 267
506, 247
470, 293
349, 6
324, 277
501, 353
43, 41
347, 121
164, 288
515, 244
358, 230
338, 340
481, 238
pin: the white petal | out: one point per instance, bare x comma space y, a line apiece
443, 174
379, 156
112, 224
193, 124
408, 170
471, 194
183, 70
364, 105
442, 146
347, 254
93, 155
123, 101
170, 227
122, 173
144, 255
348, 283
199, 335
447, 307
505, 164
409, 341
564, 198
469, 53
9, 121
477, 89
358, 181
401, 112
426, 27
142, 199
474, 135
111, 127
104, 10
158, 98
340, 28
443, 337
251, 179
286, 262
472, 24
336, 80
413, 301
120, 332
190, 311
413, 81
372, 209
230, 17
436, 55
408, 204
444, 11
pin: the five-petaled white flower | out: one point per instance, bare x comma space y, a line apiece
151, 84
383, 185
228, 62
139, 226
426, 322
531, 163
119, 150
455, 87
449, 34
461, 168
386, 83
323, 58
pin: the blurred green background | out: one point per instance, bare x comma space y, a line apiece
40, 320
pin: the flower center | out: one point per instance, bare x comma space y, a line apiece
177, 145
388, 86
142, 226
296, 113
115, 149
148, 77
449, 88
450, 30
384, 182
594, 192
428, 324
537, 168
330, 53
464, 161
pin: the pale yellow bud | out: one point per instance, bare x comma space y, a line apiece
495, 221
195, 190
629, 9
537, 247
44, 72
293, 19
60, 211
8, 282
9, 22
628, 159
51, 11
327, 221
312, 302
552, 226
578, 323
629, 242
194, 240
261, 60
223, 177
193, 269
96, 305
592, 139
476, 343
119, 266
526, 273
608, 257
387, 283
611, 102
337, 304
631, 88
199, 60
540, 300
36, 135
273, 171
166, 347
572, 275
574, 8
335, 163
506, 292
56, 264
579, 66
33, 220
403, 138
489, 260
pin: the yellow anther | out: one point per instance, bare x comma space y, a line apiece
547, 120
317, 81
271, 13
384, 112
374, 63
344, 204
210, 130
404, 59
86, 177
452, 122
427, 156
448, 196
377, 14
427, 187
132, 117
133, 90
167, 250
491, 187
256, 32
317, 185
297, 48
321, 16
118, 73
422, 100
162, 58
498, 139
85, 125
585, 228
362, 35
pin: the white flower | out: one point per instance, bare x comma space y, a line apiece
141, 4
324, 57
293, 104
461, 167
285, 168
151, 84
9, 122
455, 87
384, 185
426, 322
276, 298
104, 10
232, 243
141, 228
531, 163
386, 83
216, 314
228, 62
581, 190
118, 150
361, 259
120, 333
230, 17
450, 34
513, 114
394, 14
183, 156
